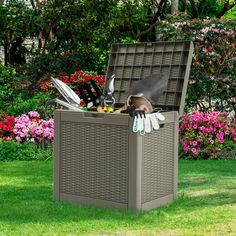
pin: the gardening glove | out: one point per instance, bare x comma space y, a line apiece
147, 123
138, 125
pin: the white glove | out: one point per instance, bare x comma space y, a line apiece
147, 124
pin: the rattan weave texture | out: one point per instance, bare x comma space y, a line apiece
158, 163
93, 163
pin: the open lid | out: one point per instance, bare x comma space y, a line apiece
133, 62
70, 96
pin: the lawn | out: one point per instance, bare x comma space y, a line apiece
206, 205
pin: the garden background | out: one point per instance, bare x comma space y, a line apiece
71, 40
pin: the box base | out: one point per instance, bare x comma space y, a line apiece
102, 203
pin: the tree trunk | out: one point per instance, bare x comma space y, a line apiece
5, 46
194, 8
156, 18
174, 7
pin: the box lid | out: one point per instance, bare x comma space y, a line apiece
133, 62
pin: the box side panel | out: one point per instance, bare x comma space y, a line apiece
94, 160
158, 163
56, 152
175, 144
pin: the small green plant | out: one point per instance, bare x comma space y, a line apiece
12, 150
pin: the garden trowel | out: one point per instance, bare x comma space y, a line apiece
141, 95
152, 87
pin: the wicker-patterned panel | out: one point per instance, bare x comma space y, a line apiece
158, 163
94, 161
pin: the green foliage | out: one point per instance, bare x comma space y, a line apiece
231, 14
12, 150
23, 103
8, 85
42, 66
17, 95
16, 20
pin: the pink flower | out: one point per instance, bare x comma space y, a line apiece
211, 141
194, 143
33, 114
30, 127
205, 130
220, 135
185, 146
18, 139
227, 132
194, 150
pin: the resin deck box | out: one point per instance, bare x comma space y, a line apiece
98, 160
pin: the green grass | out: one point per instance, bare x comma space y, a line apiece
206, 205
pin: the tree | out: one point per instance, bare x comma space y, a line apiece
14, 16
174, 7
210, 8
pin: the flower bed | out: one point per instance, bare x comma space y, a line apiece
27, 128
75, 80
204, 135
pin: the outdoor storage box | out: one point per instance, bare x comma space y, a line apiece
99, 160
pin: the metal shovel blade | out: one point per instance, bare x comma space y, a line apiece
152, 87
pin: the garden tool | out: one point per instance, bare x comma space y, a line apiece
62, 103
143, 93
90, 93
109, 100
152, 87
73, 101
138, 103
92, 99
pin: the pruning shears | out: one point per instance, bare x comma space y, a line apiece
109, 100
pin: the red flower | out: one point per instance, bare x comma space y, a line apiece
6, 126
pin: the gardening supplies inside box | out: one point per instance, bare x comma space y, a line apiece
99, 159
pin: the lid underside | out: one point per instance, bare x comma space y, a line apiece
133, 62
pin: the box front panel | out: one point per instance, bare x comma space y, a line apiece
158, 163
94, 161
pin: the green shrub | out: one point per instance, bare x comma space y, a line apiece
22, 104
12, 150
8, 85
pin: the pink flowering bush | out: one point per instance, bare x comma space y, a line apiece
204, 135
212, 81
31, 128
